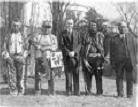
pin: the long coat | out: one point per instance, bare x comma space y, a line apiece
133, 48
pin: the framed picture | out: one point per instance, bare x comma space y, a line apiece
56, 59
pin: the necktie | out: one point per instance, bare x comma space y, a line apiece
16, 43
125, 42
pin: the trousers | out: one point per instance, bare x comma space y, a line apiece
97, 71
72, 80
125, 66
16, 75
40, 70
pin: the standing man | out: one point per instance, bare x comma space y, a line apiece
15, 53
107, 37
44, 44
71, 48
83, 29
121, 59
92, 59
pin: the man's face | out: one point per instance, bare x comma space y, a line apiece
122, 29
106, 28
93, 27
69, 25
16, 27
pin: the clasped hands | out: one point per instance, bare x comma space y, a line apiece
71, 54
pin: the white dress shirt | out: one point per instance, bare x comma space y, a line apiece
16, 43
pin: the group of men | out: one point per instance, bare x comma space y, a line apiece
84, 47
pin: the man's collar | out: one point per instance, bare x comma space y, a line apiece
122, 35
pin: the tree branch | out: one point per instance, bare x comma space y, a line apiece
132, 15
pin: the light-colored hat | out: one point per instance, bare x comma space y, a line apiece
83, 22
106, 24
70, 21
122, 24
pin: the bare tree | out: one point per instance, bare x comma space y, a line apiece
58, 10
9, 11
129, 13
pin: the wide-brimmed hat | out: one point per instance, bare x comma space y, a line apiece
17, 23
122, 24
106, 24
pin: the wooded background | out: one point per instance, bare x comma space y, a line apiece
31, 15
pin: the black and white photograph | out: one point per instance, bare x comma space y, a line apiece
68, 53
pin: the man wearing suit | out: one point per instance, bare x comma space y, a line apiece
121, 60
71, 48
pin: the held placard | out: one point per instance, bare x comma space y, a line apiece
56, 59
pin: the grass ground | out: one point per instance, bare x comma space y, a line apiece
108, 99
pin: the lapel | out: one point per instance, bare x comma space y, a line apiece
128, 41
68, 38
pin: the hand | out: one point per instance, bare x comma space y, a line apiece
5, 54
87, 65
38, 46
98, 54
25, 54
107, 59
71, 54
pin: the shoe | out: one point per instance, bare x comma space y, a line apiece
14, 93
120, 95
69, 93
21, 94
129, 96
53, 93
88, 93
77, 93
38, 92
99, 93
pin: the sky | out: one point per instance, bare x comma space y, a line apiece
106, 8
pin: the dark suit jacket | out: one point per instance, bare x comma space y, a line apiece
118, 51
70, 43
106, 43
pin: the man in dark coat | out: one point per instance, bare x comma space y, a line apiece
92, 58
107, 37
121, 61
71, 48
